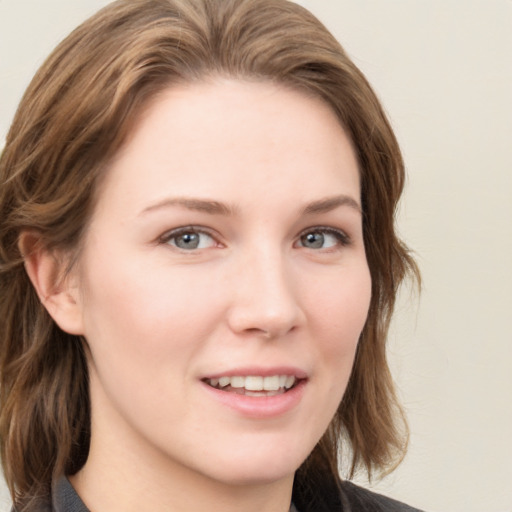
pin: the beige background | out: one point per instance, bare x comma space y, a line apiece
443, 69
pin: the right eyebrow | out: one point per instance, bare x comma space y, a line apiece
191, 203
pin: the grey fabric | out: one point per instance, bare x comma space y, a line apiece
363, 500
65, 498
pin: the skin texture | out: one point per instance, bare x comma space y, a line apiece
254, 294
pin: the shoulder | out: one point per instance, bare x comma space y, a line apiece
359, 499
325, 492
34, 505
63, 499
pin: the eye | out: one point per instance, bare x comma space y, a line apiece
189, 239
323, 238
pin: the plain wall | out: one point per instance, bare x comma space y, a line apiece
443, 69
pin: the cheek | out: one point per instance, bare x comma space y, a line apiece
339, 312
144, 331
342, 300
147, 313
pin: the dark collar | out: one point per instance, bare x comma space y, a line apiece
65, 498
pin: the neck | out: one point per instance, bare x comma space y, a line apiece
101, 489
120, 478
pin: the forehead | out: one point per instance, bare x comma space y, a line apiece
215, 137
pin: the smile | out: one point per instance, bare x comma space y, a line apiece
254, 385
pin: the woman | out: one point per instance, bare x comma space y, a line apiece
198, 267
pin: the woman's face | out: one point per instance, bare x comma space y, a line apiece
223, 284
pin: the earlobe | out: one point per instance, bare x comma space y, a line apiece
57, 289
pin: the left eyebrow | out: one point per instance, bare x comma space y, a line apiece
328, 204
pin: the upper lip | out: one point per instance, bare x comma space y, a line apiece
259, 371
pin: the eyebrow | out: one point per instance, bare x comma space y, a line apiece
212, 207
328, 204
201, 205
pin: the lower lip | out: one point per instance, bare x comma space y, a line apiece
259, 407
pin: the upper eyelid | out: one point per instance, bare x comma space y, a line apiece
322, 228
171, 233
327, 229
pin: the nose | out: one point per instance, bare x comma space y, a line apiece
265, 300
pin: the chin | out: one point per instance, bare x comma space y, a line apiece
260, 465
255, 475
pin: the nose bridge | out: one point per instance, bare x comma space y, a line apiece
265, 299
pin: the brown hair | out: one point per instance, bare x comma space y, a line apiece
73, 118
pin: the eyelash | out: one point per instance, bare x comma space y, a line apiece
342, 238
175, 233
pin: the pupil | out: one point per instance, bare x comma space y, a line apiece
188, 241
313, 240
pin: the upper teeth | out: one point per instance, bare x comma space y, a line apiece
255, 382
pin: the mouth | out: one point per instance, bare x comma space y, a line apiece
254, 385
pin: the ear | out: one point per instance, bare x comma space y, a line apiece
57, 290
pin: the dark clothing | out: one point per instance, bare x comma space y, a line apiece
360, 499
347, 498
329, 495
